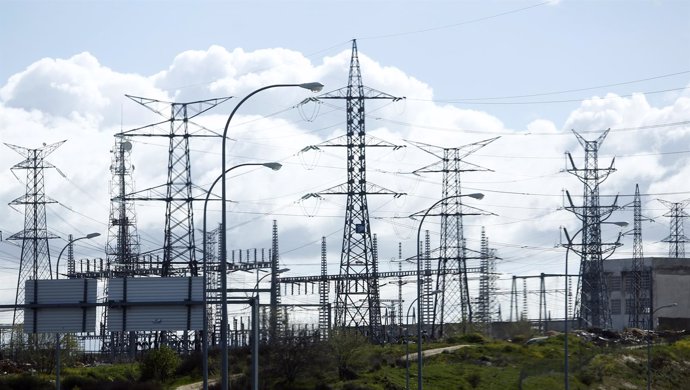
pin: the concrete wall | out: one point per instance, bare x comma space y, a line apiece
670, 284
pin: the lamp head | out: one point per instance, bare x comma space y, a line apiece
478, 196
280, 271
273, 165
92, 235
314, 87
621, 224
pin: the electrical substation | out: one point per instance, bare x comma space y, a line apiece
459, 289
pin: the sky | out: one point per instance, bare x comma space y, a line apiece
525, 71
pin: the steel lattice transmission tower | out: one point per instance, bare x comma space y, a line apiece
676, 239
452, 304
638, 317
594, 303
487, 304
35, 258
178, 242
357, 294
122, 249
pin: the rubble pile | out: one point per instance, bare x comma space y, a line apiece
629, 336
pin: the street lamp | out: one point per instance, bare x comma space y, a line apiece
565, 323
70, 242
255, 329
420, 321
279, 271
649, 339
407, 339
314, 87
57, 335
204, 336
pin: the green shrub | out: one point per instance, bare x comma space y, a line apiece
473, 338
159, 364
25, 381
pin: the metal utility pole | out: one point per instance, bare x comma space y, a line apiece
178, 242
275, 320
427, 280
640, 297
357, 295
452, 304
324, 290
34, 263
676, 239
487, 283
594, 302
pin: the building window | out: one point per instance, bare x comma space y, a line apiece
615, 306
629, 279
629, 305
646, 280
614, 282
644, 305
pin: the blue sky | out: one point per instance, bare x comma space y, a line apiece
464, 49
526, 70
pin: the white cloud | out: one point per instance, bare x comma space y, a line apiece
81, 100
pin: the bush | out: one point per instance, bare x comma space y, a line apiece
25, 381
474, 338
159, 364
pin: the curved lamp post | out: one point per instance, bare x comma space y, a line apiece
649, 340
86, 237
314, 87
274, 166
420, 316
565, 323
407, 340
57, 276
279, 271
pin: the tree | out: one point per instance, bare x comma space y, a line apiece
344, 344
159, 364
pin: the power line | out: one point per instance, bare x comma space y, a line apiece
447, 26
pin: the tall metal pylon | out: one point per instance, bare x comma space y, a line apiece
452, 303
638, 317
34, 263
324, 290
594, 301
427, 281
357, 303
487, 282
178, 241
122, 248
275, 320
400, 284
676, 239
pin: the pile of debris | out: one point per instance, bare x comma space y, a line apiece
629, 336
